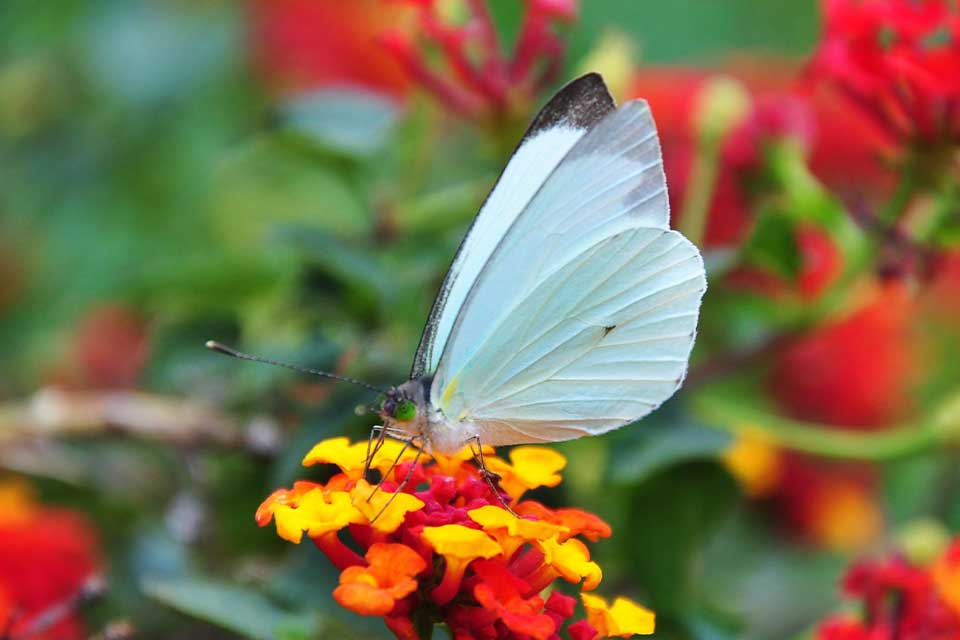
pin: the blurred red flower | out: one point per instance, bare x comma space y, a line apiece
856, 371
472, 74
900, 600
941, 296
822, 263
897, 62
673, 94
300, 45
109, 350
46, 556
843, 148
831, 504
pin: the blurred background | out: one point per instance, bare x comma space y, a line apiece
293, 177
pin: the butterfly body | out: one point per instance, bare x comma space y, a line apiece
571, 307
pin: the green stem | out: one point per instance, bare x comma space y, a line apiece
829, 440
898, 203
700, 187
813, 203
925, 231
423, 624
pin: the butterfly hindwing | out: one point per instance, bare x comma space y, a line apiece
558, 126
584, 315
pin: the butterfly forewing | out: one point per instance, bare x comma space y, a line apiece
558, 126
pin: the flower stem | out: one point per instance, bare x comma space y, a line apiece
940, 428
696, 202
424, 625
722, 105
902, 196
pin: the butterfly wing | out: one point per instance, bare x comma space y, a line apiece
583, 318
554, 131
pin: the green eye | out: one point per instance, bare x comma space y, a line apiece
405, 411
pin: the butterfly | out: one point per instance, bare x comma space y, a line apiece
571, 307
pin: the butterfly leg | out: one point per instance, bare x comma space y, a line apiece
374, 444
404, 482
493, 478
407, 441
373, 449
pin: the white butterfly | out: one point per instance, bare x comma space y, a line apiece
571, 306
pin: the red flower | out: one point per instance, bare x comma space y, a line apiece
475, 78
822, 262
46, 556
844, 149
898, 62
501, 592
308, 44
827, 503
109, 350
856, 371
821, 265
900, 601
942, 295
674, 95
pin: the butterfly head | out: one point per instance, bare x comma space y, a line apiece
404, 407
397, 407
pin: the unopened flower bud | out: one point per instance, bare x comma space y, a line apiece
922, 541
722, 105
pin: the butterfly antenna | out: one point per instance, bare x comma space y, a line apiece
221, 348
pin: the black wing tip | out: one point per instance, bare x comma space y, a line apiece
580, 104
592, 82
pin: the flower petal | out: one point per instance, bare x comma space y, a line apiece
494, 517
457, 541
384, 511
317, 512
530, 467
946, 576
375, 589
351, 458
363, 598
624, 619
571, 559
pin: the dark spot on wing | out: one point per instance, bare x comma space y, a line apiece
580, 104
607, 329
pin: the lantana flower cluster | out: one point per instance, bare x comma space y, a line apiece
434, 544
901, 600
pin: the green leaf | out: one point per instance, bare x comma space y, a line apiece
946, 231
907, 485
354, 266
271, 181
768, 586
670, 518
241, 610
706, 627
348, 121
773, 245
664, 445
